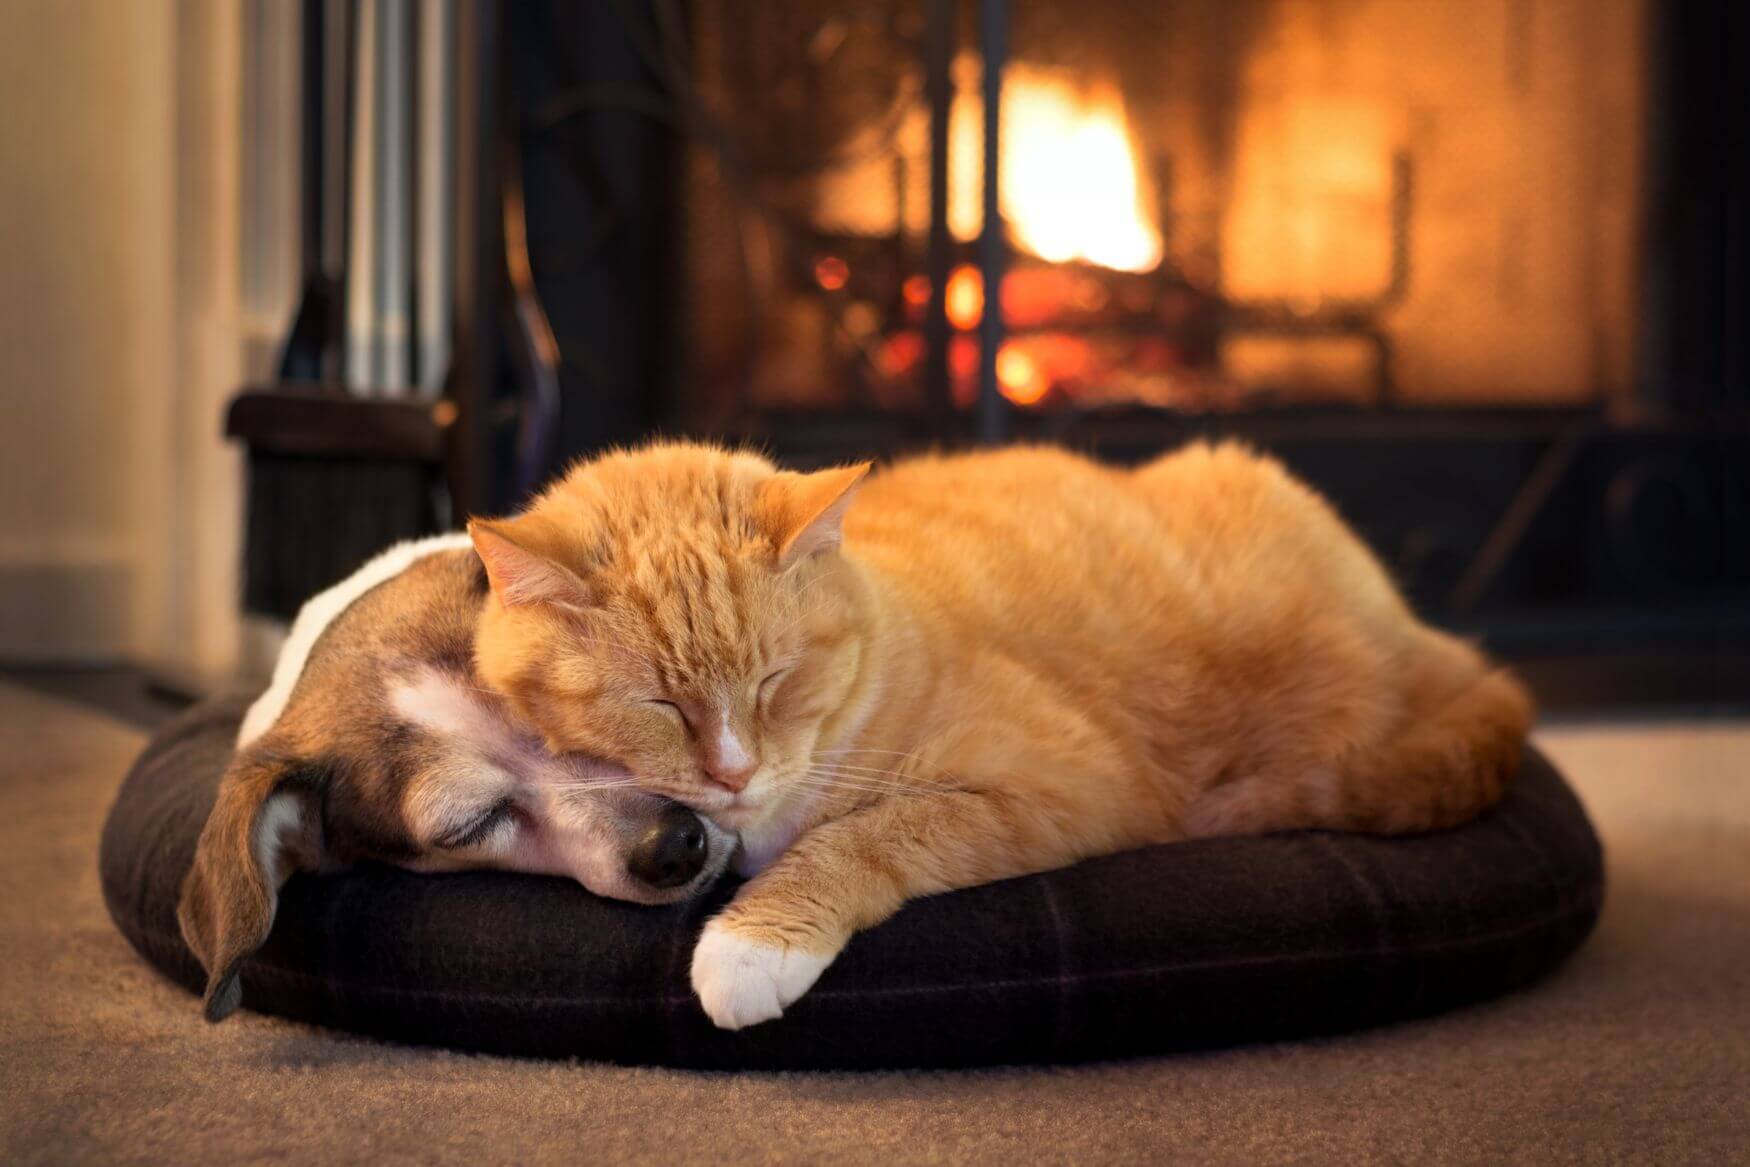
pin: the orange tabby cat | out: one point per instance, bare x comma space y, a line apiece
984, 666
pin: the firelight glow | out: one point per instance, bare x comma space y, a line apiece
965, 297
1019, 376
1070, 185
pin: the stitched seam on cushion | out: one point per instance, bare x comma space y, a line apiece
1591, 904
1529, 843
1064, 980
1369, 891
1365, 886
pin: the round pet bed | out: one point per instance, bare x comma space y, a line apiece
1185, 946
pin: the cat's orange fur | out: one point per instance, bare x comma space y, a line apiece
1017, 659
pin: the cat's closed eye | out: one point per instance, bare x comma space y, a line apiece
670, 709
770, 684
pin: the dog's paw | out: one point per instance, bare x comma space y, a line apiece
742, 982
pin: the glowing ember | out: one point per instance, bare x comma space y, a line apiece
965, 297
902, 354
1021, 379
963, 368
831, 272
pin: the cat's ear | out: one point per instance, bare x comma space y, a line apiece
265, 824
520, 576
804, 514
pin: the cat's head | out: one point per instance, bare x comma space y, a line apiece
681, 610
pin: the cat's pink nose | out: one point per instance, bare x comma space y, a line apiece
733, 777
726, 759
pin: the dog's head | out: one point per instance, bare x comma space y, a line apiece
430, 804
379, 744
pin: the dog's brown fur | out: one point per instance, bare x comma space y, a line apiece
1021, 658
327, 745
343, 775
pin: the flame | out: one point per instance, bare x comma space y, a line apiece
1070, 186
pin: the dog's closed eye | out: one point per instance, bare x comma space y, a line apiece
478, 828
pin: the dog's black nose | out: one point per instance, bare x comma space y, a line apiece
672, 850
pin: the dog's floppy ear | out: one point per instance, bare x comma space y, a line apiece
266, 824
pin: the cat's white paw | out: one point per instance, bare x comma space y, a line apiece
742, 982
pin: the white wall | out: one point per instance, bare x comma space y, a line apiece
86, 182
121, 331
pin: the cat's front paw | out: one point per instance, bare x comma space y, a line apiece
741, 981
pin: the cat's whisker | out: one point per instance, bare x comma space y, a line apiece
884, 772
867, 750
814, 608
865, 769
863, 783
831, 786
906, 756
873, 791
879, 771
817, 606
868, 782
852, 768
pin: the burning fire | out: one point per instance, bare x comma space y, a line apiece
1070, 187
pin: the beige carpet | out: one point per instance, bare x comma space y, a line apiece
1637, 1051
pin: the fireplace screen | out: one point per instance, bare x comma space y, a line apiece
1205, 205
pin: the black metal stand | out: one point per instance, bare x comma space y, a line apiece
993, 413
939, 37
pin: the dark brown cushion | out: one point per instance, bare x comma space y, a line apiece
1176, 947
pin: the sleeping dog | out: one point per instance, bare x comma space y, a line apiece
375, 741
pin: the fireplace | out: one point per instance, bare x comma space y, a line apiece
1204, 207
1459, 264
